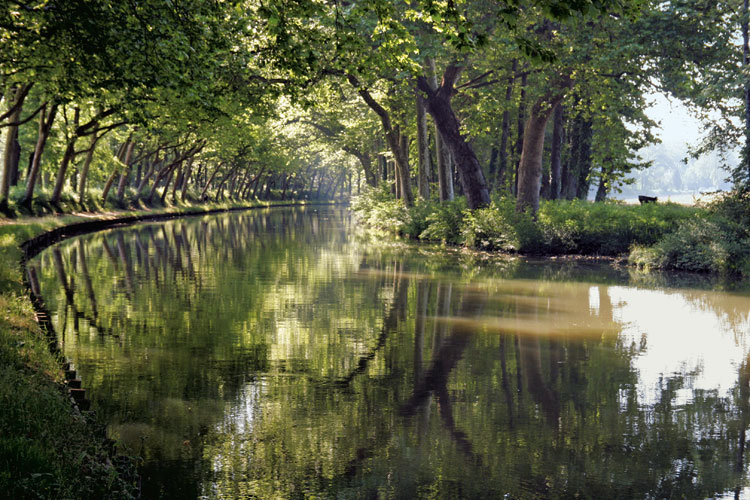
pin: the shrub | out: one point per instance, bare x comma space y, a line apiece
377, 208
416, 222
561, 227
717, 241
445, 222
605, 228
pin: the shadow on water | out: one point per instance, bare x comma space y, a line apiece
272, 355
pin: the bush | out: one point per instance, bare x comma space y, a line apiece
605, 228
717, 241
561, 227
445, 222
377, 209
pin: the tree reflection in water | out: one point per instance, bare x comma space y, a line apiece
273, 355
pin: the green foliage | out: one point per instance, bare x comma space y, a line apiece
718, 241
605, 228
562, 227
445, 222
378, 210
496, 227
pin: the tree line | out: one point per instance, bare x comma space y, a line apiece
196, 99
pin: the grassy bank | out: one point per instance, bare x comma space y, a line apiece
711, 238
48, 449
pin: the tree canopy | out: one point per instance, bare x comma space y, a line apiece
306, 98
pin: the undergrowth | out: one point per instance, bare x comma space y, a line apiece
561, 227
716, 240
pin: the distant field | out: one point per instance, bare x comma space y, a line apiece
682, 198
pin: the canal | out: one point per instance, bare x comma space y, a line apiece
284, 354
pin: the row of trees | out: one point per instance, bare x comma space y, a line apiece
210, 99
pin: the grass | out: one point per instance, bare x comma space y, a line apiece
48, 449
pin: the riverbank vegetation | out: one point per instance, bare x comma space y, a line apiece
562, 227
712, 237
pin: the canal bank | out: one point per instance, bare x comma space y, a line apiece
48, 447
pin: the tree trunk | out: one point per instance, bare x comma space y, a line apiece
439, 107
186, 178
556, 153
11, 152
168, 181
163, 172
393, 139
272, 182
68, 156
396, 144
256, 183
146, 176
285, 185
584, 159
405, 175
568, 178
85, 168
423, 148
397, 182
371, 177
113, 175
492, 168
601, 192
15, 160
11, 157
442, 155
331, 192
66, 159
502, 170
210, 179
125, 170
530, 166
176, 185
220, 189
544, 193
520, 131
320, 186
45, 127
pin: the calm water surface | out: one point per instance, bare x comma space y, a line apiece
280, 354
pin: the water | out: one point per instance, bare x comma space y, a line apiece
281, 354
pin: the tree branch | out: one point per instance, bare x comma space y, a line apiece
374, 105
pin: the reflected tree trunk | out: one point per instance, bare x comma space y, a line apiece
86, 278
122, 253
